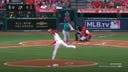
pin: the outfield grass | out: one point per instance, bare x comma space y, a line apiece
104, 56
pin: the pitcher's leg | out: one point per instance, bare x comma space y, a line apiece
55, 51
68, 46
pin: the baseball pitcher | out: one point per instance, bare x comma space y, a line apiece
58, 42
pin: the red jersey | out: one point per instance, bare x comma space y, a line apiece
83, 31
97, 4
111, 4
1, 4
29, 1
117, 1
125, 3
55, 35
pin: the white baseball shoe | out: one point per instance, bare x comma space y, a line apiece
74, 46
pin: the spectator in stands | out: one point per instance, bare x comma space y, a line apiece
65, 4
89, 4
96, 4
43, 5
117, 3
1, 4
125, 4
14, 1
110, 4
59, 5
7, 1
53, 5
37, 1
104, 4
37, 6
48, 4
29, 1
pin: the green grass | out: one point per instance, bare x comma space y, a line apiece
113, 37
14, 39
104, 56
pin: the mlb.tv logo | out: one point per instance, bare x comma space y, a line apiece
102, 24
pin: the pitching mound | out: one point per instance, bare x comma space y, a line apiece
50, 63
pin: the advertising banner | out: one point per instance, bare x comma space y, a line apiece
102, 24
107, 24
30, 24
104, 10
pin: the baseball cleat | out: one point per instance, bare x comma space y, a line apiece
74, 46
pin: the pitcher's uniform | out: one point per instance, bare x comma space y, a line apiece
58, 42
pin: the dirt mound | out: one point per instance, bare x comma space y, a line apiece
50, 63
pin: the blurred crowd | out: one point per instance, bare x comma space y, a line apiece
60, 4
107, 4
